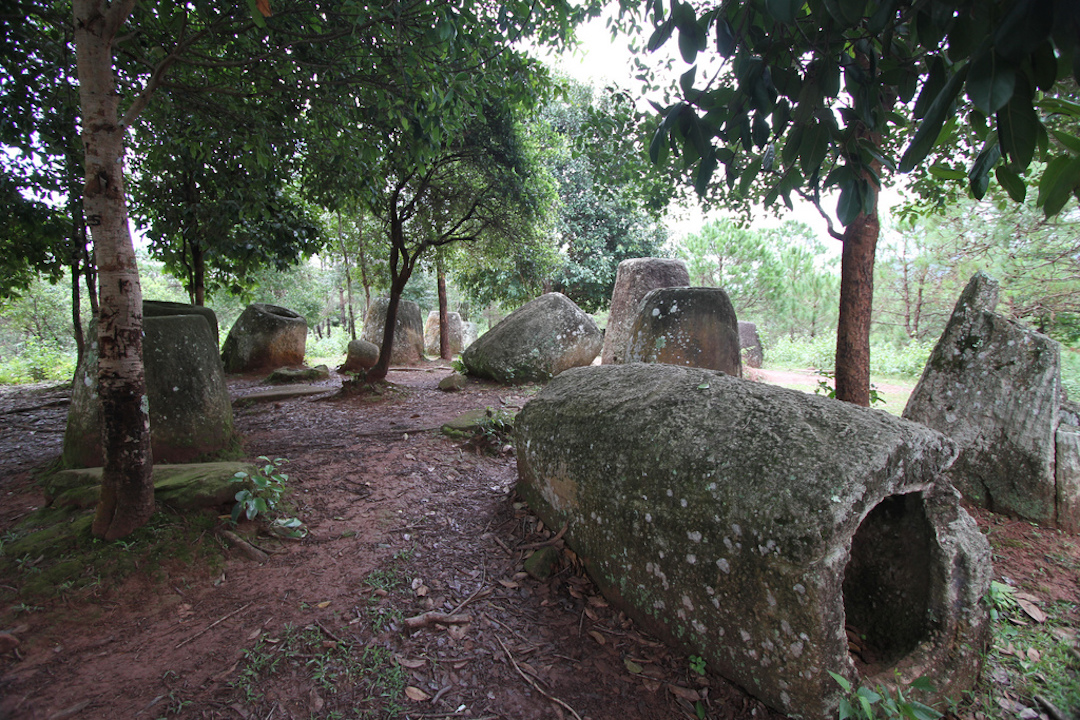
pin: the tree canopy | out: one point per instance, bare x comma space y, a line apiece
802, 97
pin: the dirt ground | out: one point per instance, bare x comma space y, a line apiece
401, 520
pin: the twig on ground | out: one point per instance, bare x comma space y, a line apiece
252, 552
532, 682
328, 633
550, 541
432, 617
1049, 707
501, 544
211, 626
482, 592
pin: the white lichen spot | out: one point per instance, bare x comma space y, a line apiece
699, 626
681, 614
796, 649
722, 563
682, 501
745, 636
656, 312
737, 530
798, 587
727, 544
769, 598
670, 493
648, 517
785, 698
785, 626
691, 559
687, 604
694, 535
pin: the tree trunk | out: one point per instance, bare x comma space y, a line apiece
856, 303
127, 491
401, 267
198, 272
444, 321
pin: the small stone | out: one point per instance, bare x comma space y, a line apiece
8, 642
542, 563
453, 383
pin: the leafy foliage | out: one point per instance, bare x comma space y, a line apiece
265, 494
867, 704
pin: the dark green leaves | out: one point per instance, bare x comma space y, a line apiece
1060, 181
1018, 128
784, 10
691, 35
991, 82
928, 131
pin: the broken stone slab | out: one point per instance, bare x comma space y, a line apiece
186, 487
283, 376
162, 308
263, 337
994, 387
753, 354
689, 326
408, 330
453, 382
633, 280
471, 422
283, 392
536, 342
751, 524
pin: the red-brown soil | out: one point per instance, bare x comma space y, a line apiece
381, 491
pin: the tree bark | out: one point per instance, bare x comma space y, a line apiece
127, 492
444, 319
856, 303
401, 267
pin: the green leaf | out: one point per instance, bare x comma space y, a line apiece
947, 173
660, 35
686, 81
979, 174
1071, 142
935, 81
841, 681
923, 683
1018, 128
1059, 182
704, 173
930, 127
1012, 182
760, 131
991, 82
691, 36
725, 38
850, 203
256, 14
748, 175
783, 10
1044, 66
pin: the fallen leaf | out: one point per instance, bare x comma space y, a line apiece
575, 593
632, 666
509, 584
684, 693
422, 591
1033, 655
254, 633
416, 694
411, 663
1031, 609
597, 636
591, 613
323, 605
458, 632
315, 701
597, 601
650, 684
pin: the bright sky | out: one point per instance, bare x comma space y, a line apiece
601, 60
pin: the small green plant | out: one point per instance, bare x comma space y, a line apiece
266, 496
459, 367
867, 704
697, 664
827, 388
1000, 599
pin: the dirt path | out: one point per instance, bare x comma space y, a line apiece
402, 521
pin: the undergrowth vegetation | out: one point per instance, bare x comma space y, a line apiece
52, 556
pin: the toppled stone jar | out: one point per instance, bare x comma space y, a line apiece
779, 535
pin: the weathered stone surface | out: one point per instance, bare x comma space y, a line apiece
265, 337
283, 376
162, 308
542, 563
689, 326
1067, 477
633, 280
535, 342
408, 330
186, 487
751, 523
750, 343
431, 333
470, 332
993, 387
360, 356
190, 410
